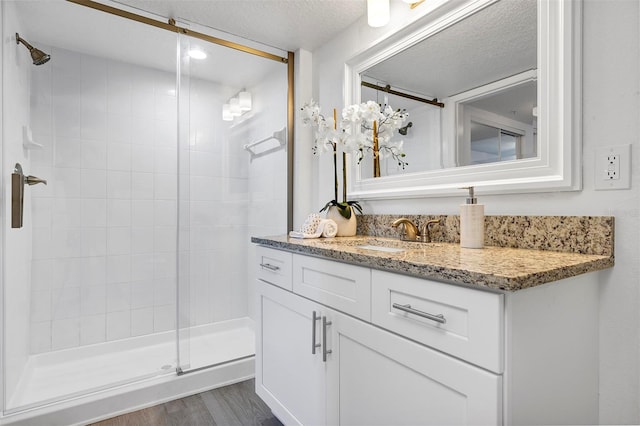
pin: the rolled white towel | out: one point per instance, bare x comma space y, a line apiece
310, 226
315, 227
330, 228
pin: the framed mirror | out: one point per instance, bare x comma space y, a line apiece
492, 88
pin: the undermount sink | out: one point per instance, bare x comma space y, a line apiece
380, 248
381, 244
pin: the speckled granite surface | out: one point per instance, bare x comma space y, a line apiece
534, 250
570, 234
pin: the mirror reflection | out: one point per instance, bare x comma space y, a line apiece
470, 91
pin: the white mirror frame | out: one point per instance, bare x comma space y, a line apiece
559, 161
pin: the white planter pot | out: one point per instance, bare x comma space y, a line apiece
346, 227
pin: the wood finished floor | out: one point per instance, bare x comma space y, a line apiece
234, 405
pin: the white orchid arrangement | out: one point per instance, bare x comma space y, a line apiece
372, 122
365, 128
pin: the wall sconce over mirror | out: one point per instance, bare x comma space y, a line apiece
378, 13
508, 119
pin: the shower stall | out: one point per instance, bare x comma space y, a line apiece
164, 147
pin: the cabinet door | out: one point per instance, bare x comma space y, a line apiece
289, 378
378, 378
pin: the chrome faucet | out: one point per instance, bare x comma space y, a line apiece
409, 231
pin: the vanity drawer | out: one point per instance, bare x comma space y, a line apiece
344, 287
465, 323
274, 266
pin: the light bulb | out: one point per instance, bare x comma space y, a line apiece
226, 112
244, 99
234, 105
377, 13
197, 54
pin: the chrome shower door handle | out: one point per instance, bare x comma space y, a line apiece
18, 181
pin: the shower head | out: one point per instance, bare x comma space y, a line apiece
403, 130
37, 55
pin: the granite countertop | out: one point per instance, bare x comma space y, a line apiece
496, 268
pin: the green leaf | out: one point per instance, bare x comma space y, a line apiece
356, 206
345, 210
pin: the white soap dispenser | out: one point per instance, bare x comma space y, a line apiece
471, 222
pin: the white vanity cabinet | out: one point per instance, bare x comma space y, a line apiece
291, 379
375, 377
360, 374
334, 349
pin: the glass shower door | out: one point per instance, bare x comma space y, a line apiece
183, 286
227, 194
89, 279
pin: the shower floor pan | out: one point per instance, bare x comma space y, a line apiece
53, 381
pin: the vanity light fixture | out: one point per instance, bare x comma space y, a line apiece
236, 106
377, 13
244, 100
226, 113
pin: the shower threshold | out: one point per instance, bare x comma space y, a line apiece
72, 373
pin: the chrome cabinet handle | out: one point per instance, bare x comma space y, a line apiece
314, 345
270, 267
407, 308
325, 351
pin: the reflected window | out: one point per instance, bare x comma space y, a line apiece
491, 144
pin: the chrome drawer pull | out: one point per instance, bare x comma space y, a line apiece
407, 308
325, 351
270, 267
314, 345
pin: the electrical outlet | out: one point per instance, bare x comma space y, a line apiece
613, 167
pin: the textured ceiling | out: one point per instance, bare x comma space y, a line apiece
285, 24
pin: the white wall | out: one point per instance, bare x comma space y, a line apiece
611, 115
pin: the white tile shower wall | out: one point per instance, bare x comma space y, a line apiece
218, 211
104, 259
104, 228
267, 208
